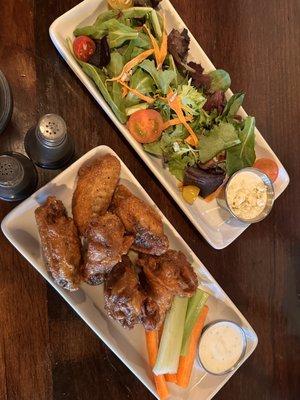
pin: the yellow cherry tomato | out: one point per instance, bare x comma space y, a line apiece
190, 193
120, 4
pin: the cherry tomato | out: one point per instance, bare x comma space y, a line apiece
84, 47
190, 193
268, 166
145, 126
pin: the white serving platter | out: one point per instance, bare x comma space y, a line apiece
20, 228
216, 225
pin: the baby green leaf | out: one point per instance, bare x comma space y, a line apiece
161, 78
233, 105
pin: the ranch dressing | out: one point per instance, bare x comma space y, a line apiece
246, 195
221, 347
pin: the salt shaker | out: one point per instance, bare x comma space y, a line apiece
18, 176
48, 144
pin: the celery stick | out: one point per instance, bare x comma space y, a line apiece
195, 305
170, 344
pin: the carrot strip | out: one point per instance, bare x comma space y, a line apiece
214, 195
152, 348
171, 378
132, 63
125, 91
147, 99
175, 104
186, 362
155, 46
176, 121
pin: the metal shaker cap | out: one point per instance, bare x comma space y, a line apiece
51, 130
11, 171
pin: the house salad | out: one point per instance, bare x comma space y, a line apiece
175, 109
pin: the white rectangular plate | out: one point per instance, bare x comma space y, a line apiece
217, 226
20, 228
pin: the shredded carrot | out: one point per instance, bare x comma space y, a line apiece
175, 104
176, 121
161, 51
171, 378
214, 195
152, 348
125, 91
147, 99
190, 140
132, 63
186, 362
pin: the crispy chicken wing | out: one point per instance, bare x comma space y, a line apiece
106, 243
123, 299
60, 243
141, 220
164, 277
96, 184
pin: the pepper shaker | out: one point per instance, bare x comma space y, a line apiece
48, 144
18, 176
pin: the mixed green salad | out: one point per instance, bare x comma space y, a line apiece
171, 106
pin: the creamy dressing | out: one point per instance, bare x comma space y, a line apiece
247, 195
221, 347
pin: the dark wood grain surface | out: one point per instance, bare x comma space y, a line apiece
46, 351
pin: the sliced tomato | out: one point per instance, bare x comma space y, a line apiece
268, 166
84, 47
145, 126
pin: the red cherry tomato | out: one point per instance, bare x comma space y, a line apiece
145, 126
268, 166
84, 47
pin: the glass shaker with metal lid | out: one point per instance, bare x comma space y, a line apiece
18, 176
48, 144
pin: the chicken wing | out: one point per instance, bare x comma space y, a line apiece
96, 184
106, 243
60, 243
123, 299
141, 220
164, 277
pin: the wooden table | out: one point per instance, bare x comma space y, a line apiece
46, 351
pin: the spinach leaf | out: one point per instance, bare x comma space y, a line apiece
128, 52
106, 16
99, 78
142, 41
219, 138
142, 82
233, 105
242, 155
92, 31
118, 33
116, 64
162, 79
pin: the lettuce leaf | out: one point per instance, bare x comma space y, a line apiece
191, 99
219, 138
242, 155
161, 78
142, 82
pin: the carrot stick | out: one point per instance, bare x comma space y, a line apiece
152, 348
147, 99
213, 195
171, 378
132, 63
176, 121
186, 362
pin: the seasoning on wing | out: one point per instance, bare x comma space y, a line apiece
123, 299
60, 243
96, 184
141, 220
106, 243
164, 277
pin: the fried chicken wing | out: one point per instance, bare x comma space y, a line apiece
141, 220
123, 299
106, 243
60, 243
164, 277
96, 184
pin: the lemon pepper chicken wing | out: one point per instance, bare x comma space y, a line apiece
106, 243
141, 220
60, 243
96, 184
